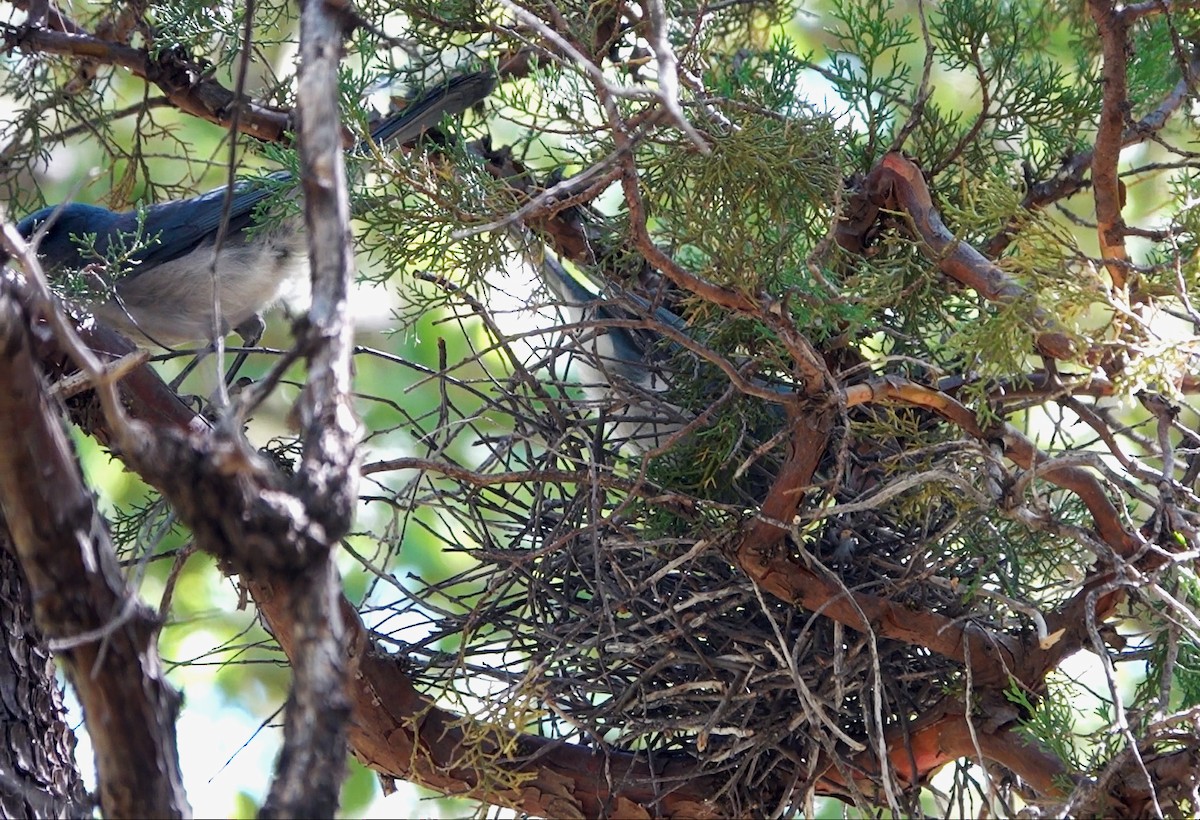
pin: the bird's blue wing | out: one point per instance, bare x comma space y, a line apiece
170, 230
632, 344
451, 98
183, 225
174, 229
58, 248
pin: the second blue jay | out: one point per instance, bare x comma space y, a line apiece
622, 368
648, 386
166, 296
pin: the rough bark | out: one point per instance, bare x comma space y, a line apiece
38, 773
104, 636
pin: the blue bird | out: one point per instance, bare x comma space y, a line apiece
166, 295
625, 370
624, 352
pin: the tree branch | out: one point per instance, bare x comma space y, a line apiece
312, 762
1107, 187
177, 76
104, 635
896, 184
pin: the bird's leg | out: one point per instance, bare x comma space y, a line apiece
251, 332
189, 367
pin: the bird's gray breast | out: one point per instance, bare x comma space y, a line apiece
173, 303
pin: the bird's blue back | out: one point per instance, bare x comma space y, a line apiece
170, 230
631, 344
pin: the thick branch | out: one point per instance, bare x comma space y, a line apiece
328, 475
104, 635
1114, 111
312, 762
896, 184
39, 775
179, 78
1123, 789
944, 734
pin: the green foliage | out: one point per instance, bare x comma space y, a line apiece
1154, 67
867, 69
754, 207
1051, 720
359, 790
246, 807
105, 266
536, 576
1031, 106
1174, 665
217, 29
1187, 674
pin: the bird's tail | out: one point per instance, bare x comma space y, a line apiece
451, 98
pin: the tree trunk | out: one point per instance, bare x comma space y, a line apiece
38, 774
